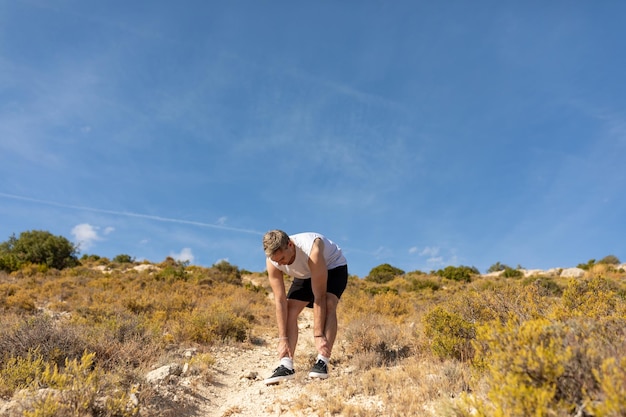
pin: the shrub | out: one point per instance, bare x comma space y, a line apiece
375, 341
418, 284
172, 270
450, 335
588, 265
74, 390
225, 272
458, 273
610, 260
547, 285
612, 380
595, 297
123, 259
383, 273
497, 267
523, 364
390, 304
54, 342
512, 273
380, 289
20, 372
217, 324
37, 247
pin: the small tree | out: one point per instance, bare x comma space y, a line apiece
588, 265
610, 260
383, 273
37, 247
497, 267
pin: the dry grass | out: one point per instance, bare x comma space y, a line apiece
414, 346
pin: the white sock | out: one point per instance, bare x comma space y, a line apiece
287, 362
324, 358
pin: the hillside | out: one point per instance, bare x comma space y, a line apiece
127, 339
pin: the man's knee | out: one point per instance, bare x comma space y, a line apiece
331, 301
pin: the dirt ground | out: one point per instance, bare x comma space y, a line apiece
238, 388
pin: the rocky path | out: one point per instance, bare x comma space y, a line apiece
238, 388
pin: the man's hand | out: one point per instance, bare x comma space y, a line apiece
283, 349
321, 344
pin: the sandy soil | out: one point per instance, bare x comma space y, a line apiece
238, 388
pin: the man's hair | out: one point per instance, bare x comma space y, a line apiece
273, 241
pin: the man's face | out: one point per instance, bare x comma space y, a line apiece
285, 256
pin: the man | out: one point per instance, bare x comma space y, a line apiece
320, 274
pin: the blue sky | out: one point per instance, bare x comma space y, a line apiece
416, 133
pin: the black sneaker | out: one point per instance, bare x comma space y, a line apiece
280, 374
319, 370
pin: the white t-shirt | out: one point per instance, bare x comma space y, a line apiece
303, 243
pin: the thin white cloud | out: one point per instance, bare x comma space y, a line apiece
185, 255
130, 214
108, 230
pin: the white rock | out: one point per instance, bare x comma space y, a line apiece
145, 267
161, 373
531, 272
572, 273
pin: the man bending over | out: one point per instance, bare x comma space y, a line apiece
320, 273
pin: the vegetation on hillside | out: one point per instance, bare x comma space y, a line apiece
80, 339
39, 248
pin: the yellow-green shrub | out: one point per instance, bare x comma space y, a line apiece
75, 388
20, 372
612, 379
449, 334
393, 306
523, 365
595, 297
207, 326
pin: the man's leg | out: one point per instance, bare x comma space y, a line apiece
285, 370
330, 331
320, 369
294, 308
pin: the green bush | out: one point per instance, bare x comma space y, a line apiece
37, 247
225, 272
383, 273
588, 265
609, 260
124, 259
418, 284
512, 273
497, 267
458, 273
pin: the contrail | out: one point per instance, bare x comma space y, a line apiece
130, 214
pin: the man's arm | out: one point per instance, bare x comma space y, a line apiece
280, 299
319, 277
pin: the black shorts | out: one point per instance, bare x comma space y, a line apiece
337, 280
